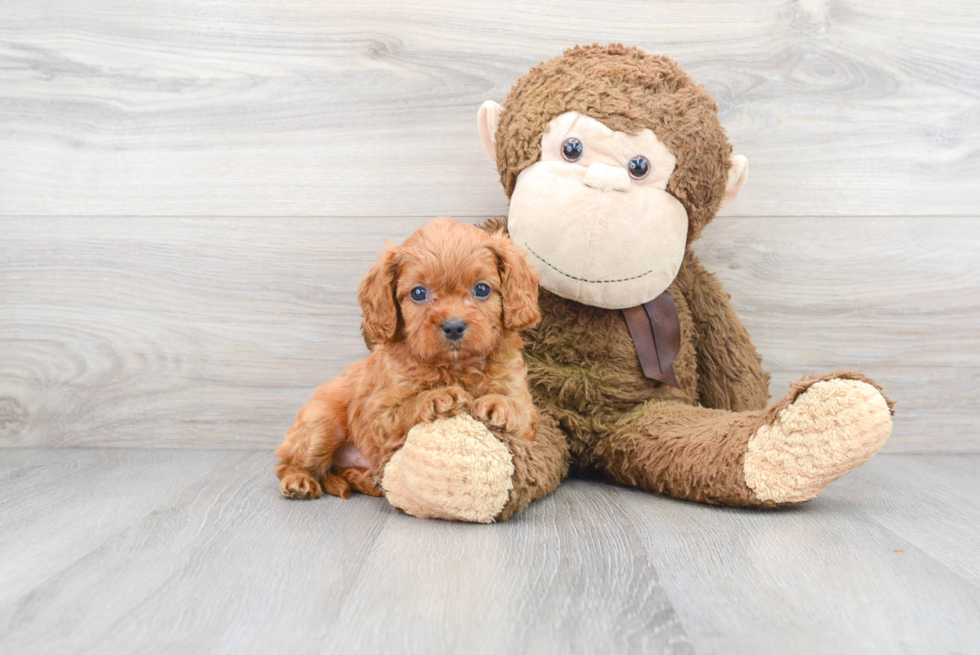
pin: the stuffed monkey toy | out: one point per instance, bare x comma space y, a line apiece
614, 161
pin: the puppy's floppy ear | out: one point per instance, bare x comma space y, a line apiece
376, 296
519, 284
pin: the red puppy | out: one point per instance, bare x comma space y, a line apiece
443, 311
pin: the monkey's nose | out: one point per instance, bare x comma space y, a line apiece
454, 329
607, 178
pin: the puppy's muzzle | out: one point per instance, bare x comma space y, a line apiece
454, 329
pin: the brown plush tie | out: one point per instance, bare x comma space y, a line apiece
656, 331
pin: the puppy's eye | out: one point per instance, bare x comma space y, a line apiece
639, 167
572, 149
481, 290
419, 294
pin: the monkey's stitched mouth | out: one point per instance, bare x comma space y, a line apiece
580, 279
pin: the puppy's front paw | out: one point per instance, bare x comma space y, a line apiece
299, 486
445, 403
495, 411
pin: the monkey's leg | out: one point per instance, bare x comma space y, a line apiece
458, 469
539, 465
825, 428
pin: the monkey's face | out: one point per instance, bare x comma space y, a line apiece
594, 214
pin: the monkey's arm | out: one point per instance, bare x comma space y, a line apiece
730, 374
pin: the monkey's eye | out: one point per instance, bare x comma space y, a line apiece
481, 290
572, 149
639, 167
419, 294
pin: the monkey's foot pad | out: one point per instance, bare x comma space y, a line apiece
450, 469
831, 429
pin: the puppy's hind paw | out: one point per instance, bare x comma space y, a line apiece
336, 486
300, 486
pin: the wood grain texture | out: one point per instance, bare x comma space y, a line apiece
183, 108
213, 332
883, 562
225, 564
160, 551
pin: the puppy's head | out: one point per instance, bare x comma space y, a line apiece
450, 291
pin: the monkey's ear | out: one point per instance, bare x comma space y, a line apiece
738, 173
519, 285
487, 119
376, 296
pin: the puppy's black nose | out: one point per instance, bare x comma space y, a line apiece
454, 328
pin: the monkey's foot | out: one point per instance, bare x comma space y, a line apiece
453, 468
834, 426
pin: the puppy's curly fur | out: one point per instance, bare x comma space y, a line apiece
420, 369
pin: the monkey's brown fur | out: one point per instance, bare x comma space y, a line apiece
585, 375
689, 441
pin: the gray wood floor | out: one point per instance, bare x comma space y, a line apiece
154, 551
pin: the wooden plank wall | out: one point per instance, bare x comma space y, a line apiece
189, 192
